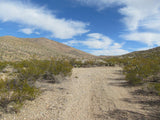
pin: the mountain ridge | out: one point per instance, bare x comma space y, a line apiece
144, 53
14, 48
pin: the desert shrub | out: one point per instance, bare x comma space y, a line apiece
157, 88
110, 64
33, 69
141, 67
23, 91
29, 69
3, 65
22, 87
76, 63
60, 67
133, 78
72, 61
4, 94
89, 63
111, 61
17, 92
154, 87
138, 69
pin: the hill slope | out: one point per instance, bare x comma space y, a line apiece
144, 53
13, 48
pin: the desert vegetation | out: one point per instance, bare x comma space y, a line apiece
90, 62
140, 69
19, 85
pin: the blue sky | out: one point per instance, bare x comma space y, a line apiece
99, 27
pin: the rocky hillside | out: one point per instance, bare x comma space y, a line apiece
144, 53
13, 48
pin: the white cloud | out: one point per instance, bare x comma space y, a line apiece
100, 4
109, 52
40, 18
148, 38
27, 31
97, 41
99, 44
38, 33
137, 15
72, 42
141, 13
153, 24
144, 48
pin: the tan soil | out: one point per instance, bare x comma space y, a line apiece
90, 94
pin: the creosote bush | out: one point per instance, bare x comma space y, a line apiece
27, 72
154, 87
3, 65
15, 92
140, 69
91, 63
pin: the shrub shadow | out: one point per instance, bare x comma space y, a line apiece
121, 82
124, 115
149, 102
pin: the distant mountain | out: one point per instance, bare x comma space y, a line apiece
144, 53
13, 48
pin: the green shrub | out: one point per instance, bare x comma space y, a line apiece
157, 87
22, 87
24, 91
3, 65
139, 68
60, 67
89, 63
154, 87
76, 63
17, 92
133, 78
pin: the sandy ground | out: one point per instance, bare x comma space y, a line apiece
90, 94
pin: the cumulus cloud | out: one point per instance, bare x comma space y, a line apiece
141, 13
97, 41
100, 4
99, 44
109, 52
150, 39
27, 31
40, 18
38, 33
137, 15
144, 48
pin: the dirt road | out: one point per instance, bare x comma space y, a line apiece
90, 94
